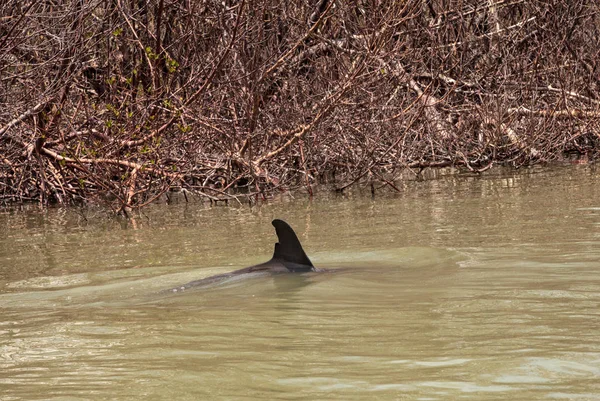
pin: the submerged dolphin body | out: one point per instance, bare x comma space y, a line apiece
288, 257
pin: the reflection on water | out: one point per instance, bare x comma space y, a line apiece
467, 288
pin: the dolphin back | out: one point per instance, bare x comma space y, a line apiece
289, 250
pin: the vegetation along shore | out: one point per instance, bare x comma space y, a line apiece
121, 102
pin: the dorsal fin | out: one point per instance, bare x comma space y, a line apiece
288, 248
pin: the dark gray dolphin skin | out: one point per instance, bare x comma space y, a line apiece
288, 257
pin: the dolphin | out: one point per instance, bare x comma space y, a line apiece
288, 257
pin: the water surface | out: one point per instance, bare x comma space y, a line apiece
458, 288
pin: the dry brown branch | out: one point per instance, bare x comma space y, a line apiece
22, 117
122, 163
131, 191
572, 113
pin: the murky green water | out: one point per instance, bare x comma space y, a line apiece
459, 288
